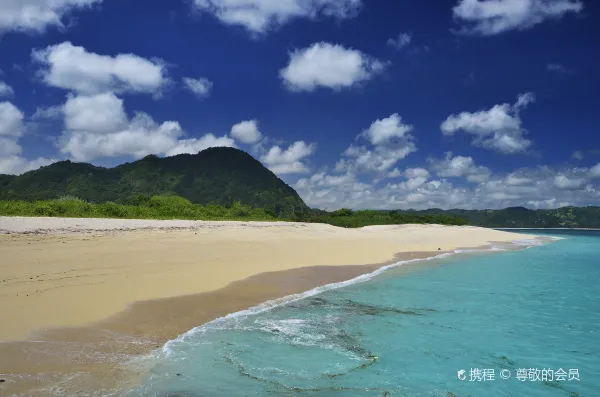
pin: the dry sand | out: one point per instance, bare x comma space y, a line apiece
73, 278
58, 276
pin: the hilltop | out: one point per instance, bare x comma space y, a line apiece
215, 176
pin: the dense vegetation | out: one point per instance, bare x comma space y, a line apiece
215, 176
348, 218
172, 207
566, 217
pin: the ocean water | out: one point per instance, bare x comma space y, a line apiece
522, 315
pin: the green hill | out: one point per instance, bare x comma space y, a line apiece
214, 176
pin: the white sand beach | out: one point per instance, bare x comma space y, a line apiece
58, 272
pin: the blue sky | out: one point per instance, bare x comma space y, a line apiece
355, 103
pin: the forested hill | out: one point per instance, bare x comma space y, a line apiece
214, 176
566, 217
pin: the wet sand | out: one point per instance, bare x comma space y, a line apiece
97, 357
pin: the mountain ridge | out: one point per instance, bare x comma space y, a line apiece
219, 175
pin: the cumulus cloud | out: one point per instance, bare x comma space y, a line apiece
382, 145
415, 177
388, 140
328, 65
11, 130
328, 191
37, 15
394, 173
246, 132
401, 41
17, 165
499, 128
416, 173
97, 126
385, 130
459, 166
491, 17
290, 160
11, 120
595, 171
260, 16
74, 68
200, 87
564, 182
5, 90
540, 187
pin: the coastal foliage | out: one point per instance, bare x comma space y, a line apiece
173, 207
566, 217
348, 218
156, 207
215, 176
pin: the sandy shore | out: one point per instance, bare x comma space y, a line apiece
70, 284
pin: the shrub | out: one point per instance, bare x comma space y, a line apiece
44, 209
113, 210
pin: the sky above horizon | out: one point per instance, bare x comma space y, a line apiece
354, 103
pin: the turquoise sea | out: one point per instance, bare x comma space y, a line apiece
528, 316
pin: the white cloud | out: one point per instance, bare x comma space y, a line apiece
389, 140
384, 130
557, 68
577, 155
37, 15
246, 132
48, 113
394, 173
97, 126
260, 16
333, 191
74, 68
102, 113
200, 87
491, 17
416, 173
517, 179
5, 90
412, 183
195, 145
498, 128
328, 65
11, 130
532, 187
16, 165
9, 146
378, 159
595, 171
564, 182
290, 160
11, 120
459, 166
401, 41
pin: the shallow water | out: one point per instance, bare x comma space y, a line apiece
408, 333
